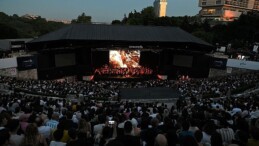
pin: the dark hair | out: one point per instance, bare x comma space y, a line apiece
115, 142
5, 136
107, 132
216, 139
58, 134
38, 121
72, 133
185, 125
198, 135
69, 115
101, 118
189, 141
13, 124
127, 127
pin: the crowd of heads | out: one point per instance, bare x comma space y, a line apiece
38, 120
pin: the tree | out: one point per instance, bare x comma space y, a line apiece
82, 19
7, 32
114, 22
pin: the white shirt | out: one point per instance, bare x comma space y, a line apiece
56, 143
98, 129
45, 131
16, 139
205, 138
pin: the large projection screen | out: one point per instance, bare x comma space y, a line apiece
124, 58
65, 59
183, 60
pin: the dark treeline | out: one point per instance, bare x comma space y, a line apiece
12, 27
241, 33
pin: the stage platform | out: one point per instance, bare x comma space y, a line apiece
124, 78
151, 93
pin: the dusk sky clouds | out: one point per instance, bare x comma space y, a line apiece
100, 10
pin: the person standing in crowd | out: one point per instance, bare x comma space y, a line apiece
32, 137
216, 139
13, 125
53, 122
128, 139
4, 137
58, 134
226, 132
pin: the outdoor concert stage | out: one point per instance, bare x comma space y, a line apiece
151, 93
119, 52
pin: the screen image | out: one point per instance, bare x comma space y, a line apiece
124, 58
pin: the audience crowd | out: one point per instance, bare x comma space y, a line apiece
29, 120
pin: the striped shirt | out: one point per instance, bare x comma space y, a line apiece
52, 124
227, 135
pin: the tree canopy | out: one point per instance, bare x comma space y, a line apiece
82, 19
240, 33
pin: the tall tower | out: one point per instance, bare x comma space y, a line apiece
160, 8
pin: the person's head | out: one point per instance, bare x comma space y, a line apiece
154, 122
193, 122
101, 118
30, 135
13, 125
160, 140
69, 115
115, 142
58, 134
72, 133
61, 125
31, 130
4, 137
198, 135
107, 132
55, 116
127, 127
82, 124
3, 119
216, 139
189, 141
185, 125
38, 121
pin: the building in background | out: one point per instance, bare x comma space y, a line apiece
226, 10
160, 8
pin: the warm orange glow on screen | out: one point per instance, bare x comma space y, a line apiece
124, 58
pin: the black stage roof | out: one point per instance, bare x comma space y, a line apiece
118, 34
